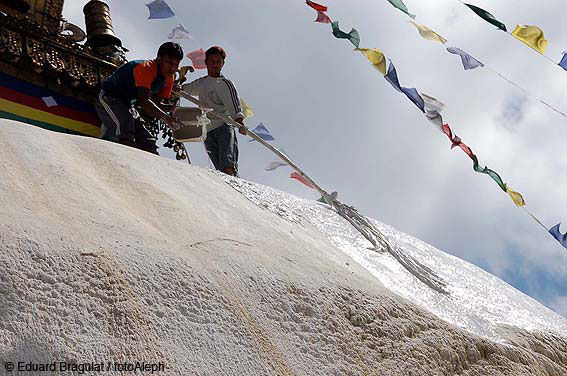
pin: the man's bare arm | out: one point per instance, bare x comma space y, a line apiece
149, 108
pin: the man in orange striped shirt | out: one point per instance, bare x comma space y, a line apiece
138, 85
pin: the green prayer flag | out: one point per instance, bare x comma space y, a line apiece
489, 172
487, 17
401, 6
353, 36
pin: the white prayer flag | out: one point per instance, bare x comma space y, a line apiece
469, 62
275, 164
179, 32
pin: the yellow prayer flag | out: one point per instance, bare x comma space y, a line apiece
428, 34
376, 57
516, 197
246, 110
532, 36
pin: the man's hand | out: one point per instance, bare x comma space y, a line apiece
172, 122
177, 89
242, 129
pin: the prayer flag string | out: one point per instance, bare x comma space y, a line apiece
532, 36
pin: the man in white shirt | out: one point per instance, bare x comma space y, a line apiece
219, 93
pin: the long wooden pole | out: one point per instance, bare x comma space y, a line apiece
357, 220
281, 155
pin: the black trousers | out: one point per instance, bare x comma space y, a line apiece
123, 124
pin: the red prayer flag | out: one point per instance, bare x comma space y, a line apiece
317, 7
322, 17
197, 58
296, 176
456, 141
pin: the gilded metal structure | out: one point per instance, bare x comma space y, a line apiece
100, 33
33, 49
99, 24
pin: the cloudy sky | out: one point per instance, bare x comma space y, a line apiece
351, 132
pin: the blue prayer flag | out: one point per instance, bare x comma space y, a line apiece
262, 132
392, 77
561, 238
411, 93
159, 10
414, 96
563, 62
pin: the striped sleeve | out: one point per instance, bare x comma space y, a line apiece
229, 97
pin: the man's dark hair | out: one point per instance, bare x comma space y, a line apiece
171, 49
215, 50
